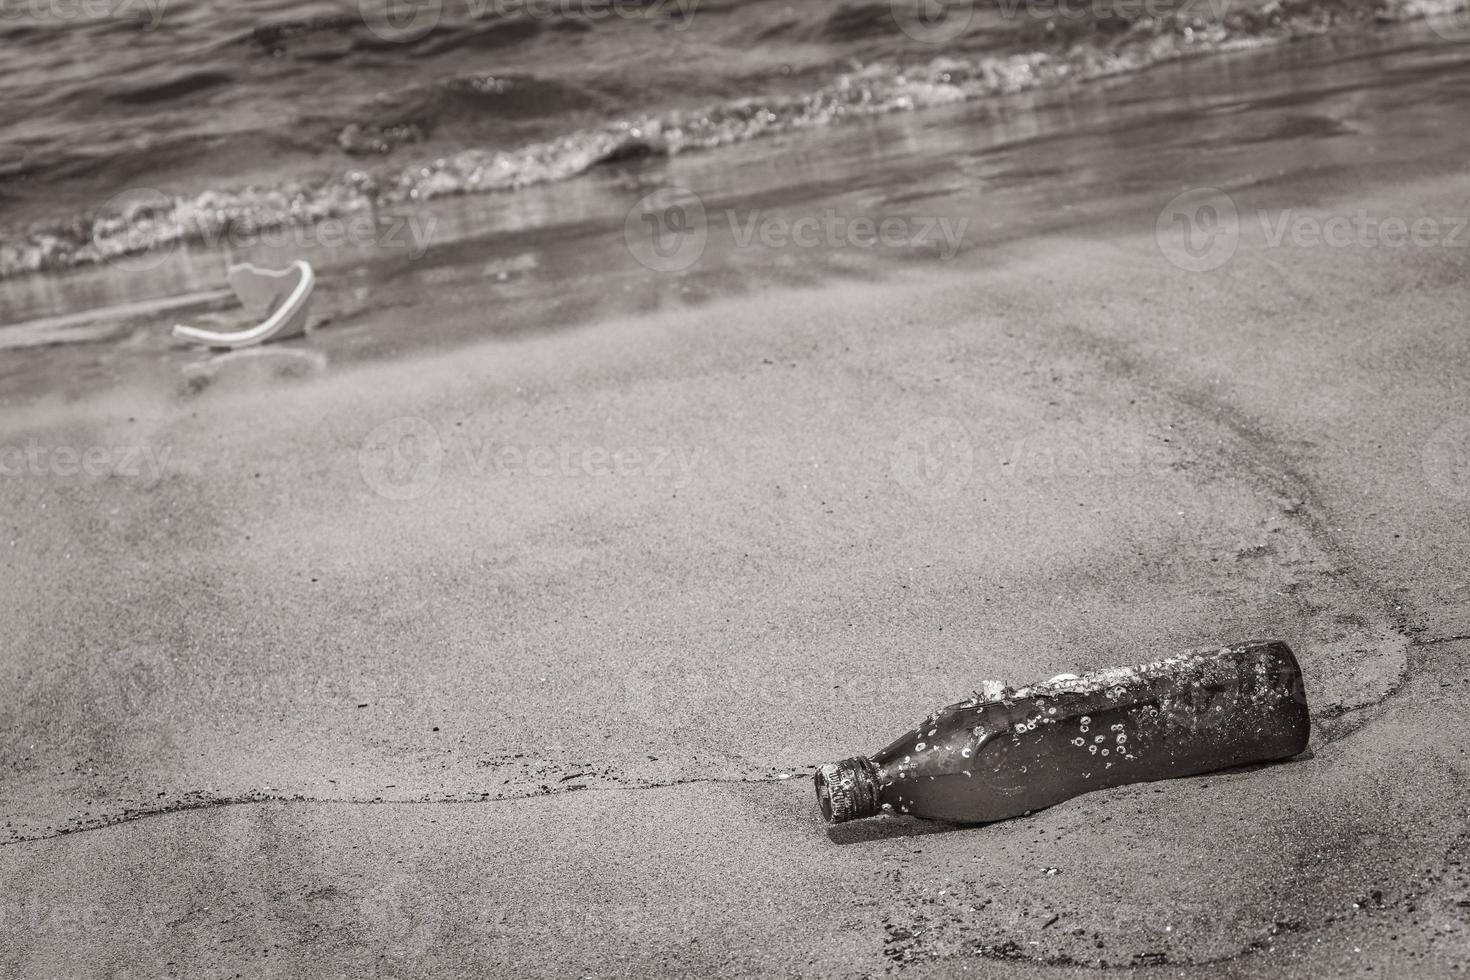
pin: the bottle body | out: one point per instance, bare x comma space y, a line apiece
1006, 754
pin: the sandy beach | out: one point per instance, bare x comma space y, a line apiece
498, 626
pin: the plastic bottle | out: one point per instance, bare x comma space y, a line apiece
1008, 752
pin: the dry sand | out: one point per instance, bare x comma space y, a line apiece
294, 707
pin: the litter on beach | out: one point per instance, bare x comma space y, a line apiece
1005, 752
283, 297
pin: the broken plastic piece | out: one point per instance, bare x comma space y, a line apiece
282, 296
989, 759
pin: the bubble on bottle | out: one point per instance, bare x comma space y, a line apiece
919, 747
1084, 729
1098, 738
1118, 727
1092, 749
1105, 751
1086, 719
1122, 738
1079, 741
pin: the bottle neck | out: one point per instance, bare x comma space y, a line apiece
848, 790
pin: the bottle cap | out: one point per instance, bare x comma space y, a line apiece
848, 790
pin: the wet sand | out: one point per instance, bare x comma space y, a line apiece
428, 648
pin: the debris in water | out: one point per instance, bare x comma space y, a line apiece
282, 297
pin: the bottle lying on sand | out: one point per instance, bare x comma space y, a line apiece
1003, 753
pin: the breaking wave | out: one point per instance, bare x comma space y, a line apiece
133, 222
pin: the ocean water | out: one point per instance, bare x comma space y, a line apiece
130, 124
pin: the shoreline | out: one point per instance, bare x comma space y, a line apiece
550, 259
141, 218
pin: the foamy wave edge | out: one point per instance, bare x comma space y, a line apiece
160, 220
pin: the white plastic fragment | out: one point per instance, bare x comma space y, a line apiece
283, 296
